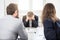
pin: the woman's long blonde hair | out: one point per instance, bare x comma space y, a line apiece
49, 12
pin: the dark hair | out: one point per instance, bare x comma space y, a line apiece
49, 12
11, 8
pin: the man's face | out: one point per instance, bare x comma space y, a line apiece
16, 14
30, 18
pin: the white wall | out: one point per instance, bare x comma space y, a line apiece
33, 5
1, 8
4, 4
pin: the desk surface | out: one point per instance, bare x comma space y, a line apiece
35, 33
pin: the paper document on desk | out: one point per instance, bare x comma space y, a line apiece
39, 34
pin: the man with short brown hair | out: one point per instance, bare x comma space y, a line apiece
11, 8
10, 26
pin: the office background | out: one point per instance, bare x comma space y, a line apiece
28, 5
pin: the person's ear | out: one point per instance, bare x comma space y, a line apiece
16, 14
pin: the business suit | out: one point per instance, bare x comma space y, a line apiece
34, 22
10, 28
49, 31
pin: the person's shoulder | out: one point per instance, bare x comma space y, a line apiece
48, 20
17, 20
20, 23
36, 16
24, 16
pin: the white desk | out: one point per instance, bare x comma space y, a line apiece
35, 33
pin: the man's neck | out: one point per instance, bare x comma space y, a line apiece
14, 16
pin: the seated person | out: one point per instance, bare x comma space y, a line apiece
30, 20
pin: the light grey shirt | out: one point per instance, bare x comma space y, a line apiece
30, 23
11, 27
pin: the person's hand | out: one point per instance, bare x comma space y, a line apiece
30, 18
33, 18
27, 18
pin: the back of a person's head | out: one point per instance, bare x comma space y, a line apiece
30, 14
49, 12
11, 8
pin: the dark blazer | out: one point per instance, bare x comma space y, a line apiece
34, 22
49, 32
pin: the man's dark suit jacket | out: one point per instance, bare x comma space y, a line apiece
49, 31
34, 22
